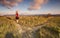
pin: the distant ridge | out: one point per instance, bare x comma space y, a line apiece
34, 15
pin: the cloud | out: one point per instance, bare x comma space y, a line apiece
10, 3
36, 4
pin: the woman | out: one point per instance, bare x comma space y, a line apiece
17, 16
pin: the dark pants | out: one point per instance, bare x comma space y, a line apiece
17, 18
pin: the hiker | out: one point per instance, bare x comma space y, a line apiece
17, 16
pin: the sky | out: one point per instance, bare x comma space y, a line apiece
27, 7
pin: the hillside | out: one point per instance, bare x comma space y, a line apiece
29, 27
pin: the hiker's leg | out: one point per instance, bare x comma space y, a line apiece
17, 21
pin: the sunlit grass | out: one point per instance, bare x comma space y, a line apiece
51, 30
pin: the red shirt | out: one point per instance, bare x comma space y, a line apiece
16, 14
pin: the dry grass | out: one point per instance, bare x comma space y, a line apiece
51, 30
